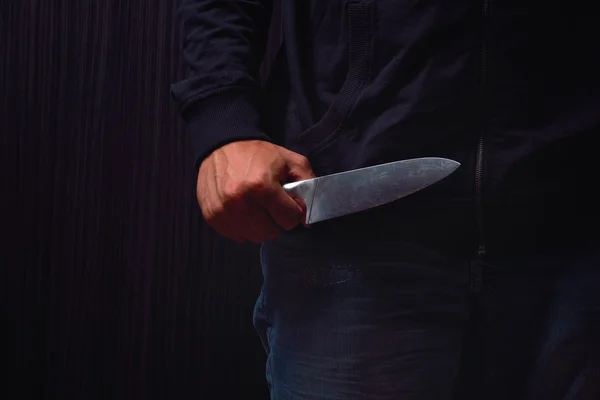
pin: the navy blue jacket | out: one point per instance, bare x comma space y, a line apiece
509, 88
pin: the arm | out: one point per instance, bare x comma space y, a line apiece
223, 46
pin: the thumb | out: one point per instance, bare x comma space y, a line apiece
299, 167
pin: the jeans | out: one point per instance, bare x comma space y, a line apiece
388, 320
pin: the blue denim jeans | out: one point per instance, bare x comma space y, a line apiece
397, 321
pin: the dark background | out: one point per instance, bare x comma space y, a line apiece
112, 286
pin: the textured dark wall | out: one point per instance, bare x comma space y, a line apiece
112, 287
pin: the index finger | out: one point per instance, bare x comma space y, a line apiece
302, 205
284, 210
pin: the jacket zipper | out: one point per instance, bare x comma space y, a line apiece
480, 146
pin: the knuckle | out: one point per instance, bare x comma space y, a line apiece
237, 193
212, 216
258, 186
303, 162
232, 195
228, 203
219, 212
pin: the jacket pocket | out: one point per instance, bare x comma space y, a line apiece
329, 127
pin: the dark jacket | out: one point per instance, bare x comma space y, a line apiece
509, 88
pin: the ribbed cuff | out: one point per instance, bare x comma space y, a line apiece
222, 119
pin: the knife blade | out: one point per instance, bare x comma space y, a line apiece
336, 195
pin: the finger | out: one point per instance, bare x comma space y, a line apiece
242, 228
259, 226
299, 167
242, 220
300, 202
222, 230
224, 223
284, 210
237, 239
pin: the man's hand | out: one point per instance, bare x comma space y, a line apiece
239, 190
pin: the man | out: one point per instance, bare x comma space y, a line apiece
451, 292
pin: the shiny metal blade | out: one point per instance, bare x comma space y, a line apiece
349, 192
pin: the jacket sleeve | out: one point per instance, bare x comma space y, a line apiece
223, 45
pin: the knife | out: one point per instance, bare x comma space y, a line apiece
344, 193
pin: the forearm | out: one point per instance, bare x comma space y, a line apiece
223, 46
